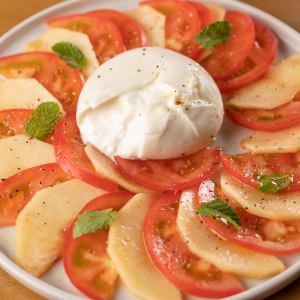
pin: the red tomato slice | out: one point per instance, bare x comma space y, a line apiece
53, 73
280, 118
70, 155
172, 174
17, 190
132, 32
104, 34
85, 259
257, 63
182, 25
260, 234
248, 167
226, 59
205, 15
174, 260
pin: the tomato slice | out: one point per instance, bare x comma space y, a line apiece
276, 119
226, 59
257, 233
53, 73
248, 167
170, 254
257, 63
205, 15
17, 190
182, 25
132, 32
70, 155
171, 174
104, 34
85, 258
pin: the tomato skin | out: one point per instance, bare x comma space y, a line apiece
257, 63
70, 155
205, 15
17, 190
171, 256
172, 174
226, 59
251, 234
85, 258
103, 34
132, 32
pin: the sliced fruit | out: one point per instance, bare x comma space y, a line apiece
127, 251
217, 11
225, 255
41, 224
279, 87
153, 23
206, 16
19, 152
58, 35
170, 254
23, 93
85, 258
277, 207
284, 141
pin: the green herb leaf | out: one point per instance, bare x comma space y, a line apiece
93, 221
274, 183
71, 54
220, 209
214, 34
42, 120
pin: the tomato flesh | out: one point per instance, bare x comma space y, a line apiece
226, 59
17, 190
131, 31
70, 155
257, 233
171, 174
53, 73
85, 258
205, 15
104, 34
170, 254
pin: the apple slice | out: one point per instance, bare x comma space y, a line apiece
225, 255
127, 251
23, 93
284, 141
279, 87
217, 11
277, 207
41, 224
106, 168
78, 39
19, 152
153, 23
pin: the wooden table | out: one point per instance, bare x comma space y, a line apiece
14, 11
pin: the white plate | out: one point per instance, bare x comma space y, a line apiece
55, 284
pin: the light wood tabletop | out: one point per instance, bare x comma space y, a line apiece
14, 11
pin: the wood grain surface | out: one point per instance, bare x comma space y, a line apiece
14, 11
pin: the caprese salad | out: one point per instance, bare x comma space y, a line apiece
106, 126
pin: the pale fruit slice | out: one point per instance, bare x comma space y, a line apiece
283, 141
78, 39
279, 87
277, 207
19, 152
106, 168
225, 255
128, 254
153, 23
218, 11
41, 224
23, 93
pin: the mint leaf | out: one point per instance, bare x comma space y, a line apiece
93, 221
214, 34
71, 54
42, 120
220, 209
274, 183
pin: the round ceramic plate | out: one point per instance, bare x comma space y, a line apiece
55, 284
